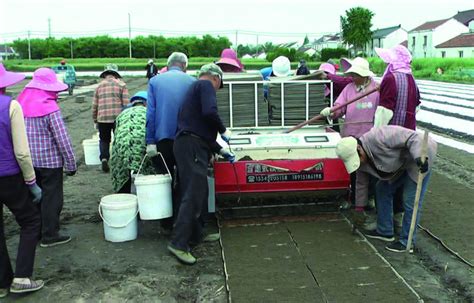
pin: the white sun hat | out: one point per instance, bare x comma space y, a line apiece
281, 66
346, 149
359, 66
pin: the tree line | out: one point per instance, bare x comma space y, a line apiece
110, 47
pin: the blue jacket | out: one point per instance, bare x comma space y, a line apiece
166, 93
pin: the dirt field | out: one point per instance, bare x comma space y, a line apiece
89, 269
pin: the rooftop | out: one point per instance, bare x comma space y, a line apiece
429, 25
465, 16
384, 32
463, 40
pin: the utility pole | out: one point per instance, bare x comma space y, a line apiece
72, 53
257, 45
29, 45
49, 27
236, 39
129, 36
154, 49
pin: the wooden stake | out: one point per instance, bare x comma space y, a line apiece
419, 185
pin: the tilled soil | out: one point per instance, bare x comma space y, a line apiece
89, 269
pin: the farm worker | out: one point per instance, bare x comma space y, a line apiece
229, 62
281, 67
338, 85
198, 125
18, 191
110, 97
399, 98
359, 119
392, 154
128, 148
51, 148
166, 94
302, 68
151, 69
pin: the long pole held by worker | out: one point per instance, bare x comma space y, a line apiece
419, 185
333, 109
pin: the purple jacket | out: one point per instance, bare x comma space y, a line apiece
8, 164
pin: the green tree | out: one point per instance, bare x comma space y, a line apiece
356, 27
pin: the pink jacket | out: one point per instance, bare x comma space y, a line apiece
362, 110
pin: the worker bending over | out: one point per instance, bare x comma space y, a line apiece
393, 155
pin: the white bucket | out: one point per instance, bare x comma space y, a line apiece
91, 151
119, 213
154, 196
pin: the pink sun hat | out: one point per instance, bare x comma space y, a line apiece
328, 68
9, 78
229, 57
45, 79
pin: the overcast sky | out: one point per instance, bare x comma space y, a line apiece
277, 16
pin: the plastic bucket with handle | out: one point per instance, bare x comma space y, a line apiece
119, 214
154, 194
91, 151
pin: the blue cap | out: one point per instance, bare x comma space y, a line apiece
140, 96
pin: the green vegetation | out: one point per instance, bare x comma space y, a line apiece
454, 69
110, 47
127, 64
356, 26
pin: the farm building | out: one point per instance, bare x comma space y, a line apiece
461, 46
7, 52
328, 41
386, 38
422, 40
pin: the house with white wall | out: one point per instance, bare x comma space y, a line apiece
328, 41
7, 52
423, 39
461, 46
386, 38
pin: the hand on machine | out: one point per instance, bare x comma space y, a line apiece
227, 154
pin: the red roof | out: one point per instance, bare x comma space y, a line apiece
463, 40
429, 25
405, 43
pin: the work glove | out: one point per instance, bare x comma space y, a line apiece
423, 165
70, 173
226, 135
227, 154
326, 112
36, 192
151, 150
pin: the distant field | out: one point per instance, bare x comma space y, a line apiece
127, 64
459, 70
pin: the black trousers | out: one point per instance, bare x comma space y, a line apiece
105, 136
165, 147
16, 196
51, 182
192, 158
398, 201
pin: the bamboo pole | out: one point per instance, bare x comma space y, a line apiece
419, 185
333, 109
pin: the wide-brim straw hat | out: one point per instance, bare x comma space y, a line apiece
346, 150
359, 66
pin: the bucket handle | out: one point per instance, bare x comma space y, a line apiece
143, 161
116, 226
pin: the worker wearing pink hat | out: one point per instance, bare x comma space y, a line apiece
18, 191
50, 146
229, 61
